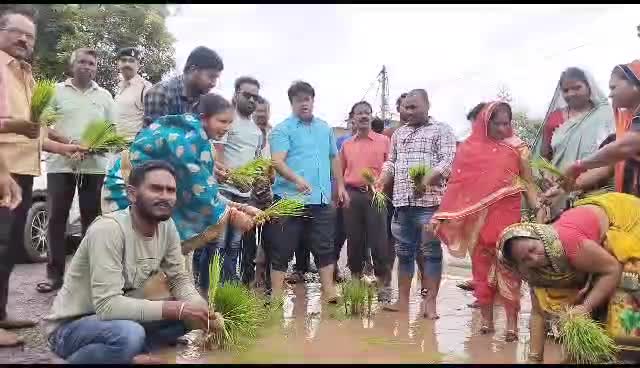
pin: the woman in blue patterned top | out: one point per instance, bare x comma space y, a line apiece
183, 141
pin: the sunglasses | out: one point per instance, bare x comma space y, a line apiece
250, 96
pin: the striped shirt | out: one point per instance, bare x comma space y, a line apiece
432, 145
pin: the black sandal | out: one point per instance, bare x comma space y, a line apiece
48, 286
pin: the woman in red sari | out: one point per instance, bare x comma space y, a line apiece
474, 212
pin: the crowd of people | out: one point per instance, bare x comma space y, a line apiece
154, 214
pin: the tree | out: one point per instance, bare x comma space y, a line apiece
63, 28
524, 127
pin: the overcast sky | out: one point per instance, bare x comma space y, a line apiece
461, 54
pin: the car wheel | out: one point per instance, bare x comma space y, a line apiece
36, 245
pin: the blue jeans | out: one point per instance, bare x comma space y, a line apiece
230, 244
408, 230
88, 340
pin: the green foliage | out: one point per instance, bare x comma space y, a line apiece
62, 28
525, 127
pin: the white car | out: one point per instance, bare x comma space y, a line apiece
36, 245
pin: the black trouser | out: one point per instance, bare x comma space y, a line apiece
303, 255
341, 234
61, 189
286, 235
12, 225
247, 257
366, 229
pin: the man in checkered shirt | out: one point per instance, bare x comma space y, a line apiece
422, 141
180, 94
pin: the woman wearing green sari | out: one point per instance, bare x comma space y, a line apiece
578, 120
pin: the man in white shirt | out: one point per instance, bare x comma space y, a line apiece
130, 95
240, 146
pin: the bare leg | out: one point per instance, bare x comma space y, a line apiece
486, 311
277, 283
328, 284
404, 289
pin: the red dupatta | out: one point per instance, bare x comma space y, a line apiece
483, 173
623, 123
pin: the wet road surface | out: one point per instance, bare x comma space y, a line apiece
309, 335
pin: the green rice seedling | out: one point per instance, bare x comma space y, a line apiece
40, 101
584, 340
357, 297
244, 176
215, 272
242, 314
239, 312
100, 136
544, 165
378, 198
285, 207
417, 174
49, 117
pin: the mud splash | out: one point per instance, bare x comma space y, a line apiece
309, 335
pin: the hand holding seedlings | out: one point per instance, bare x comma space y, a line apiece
240, 220
193, 314
42, 112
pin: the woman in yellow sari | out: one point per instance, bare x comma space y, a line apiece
578, 261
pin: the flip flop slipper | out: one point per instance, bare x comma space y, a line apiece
48, 286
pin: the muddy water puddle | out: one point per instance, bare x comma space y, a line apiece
310, 334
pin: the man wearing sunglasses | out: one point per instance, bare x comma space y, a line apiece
241, 145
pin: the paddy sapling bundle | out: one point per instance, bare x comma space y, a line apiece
378, 198
100, 137
357, 297
417, 174
244, 176
41, 110
585, 341
237, 312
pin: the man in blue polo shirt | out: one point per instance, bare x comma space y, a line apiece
303, 148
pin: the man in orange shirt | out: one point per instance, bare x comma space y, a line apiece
365, 224
20, 145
